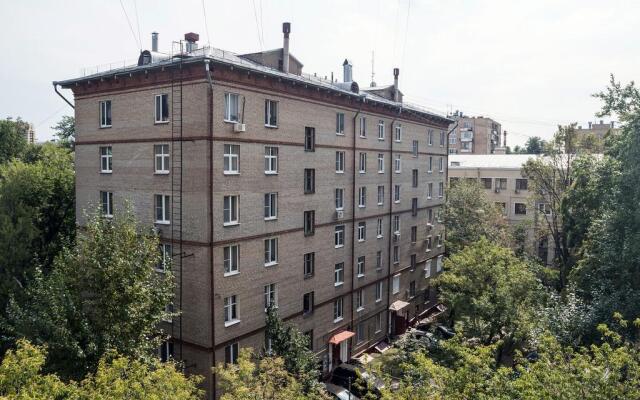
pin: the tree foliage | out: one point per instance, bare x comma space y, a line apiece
13, 141
102, 295
65, 131
117, 377
469, 215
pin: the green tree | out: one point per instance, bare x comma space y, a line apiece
65, 131
37, 216
102, 295
492, 295
288, 343
13, 142
117, 377
470, 215
265, 378
534, 145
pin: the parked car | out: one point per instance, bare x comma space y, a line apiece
339, 393
445, 332
346, 375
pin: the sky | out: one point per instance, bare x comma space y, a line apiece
530, 65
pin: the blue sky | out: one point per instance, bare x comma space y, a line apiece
529, 65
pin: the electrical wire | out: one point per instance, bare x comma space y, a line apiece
406, 30
206, 26
138, 44
255, 14
135, 6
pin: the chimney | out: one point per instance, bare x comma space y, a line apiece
396, 95
154, 41
192, 39
347, 69
286, 29
504, 144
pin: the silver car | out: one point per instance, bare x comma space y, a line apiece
338, 392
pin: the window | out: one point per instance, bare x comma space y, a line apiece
362, 231
231, 353
413, 261
395, 284
378, 326
362, 197
427, 269
105, 114
429, 190
360, 332
379, 260
378, 291
414, 148
380, 163
106, 160
165, 257
414, 178
106, 198
270, 296
360, 300
363, 126
430, 165
396, 254
396, 193
398, 164
442, 140
270, 252
414, 206
522, 184
338, 274
309, 264
338, 310
230, 211
339, 123
339, 236
309, 138
231, 107
430, 217
486, 183
520, 209
398, 133
230, 310
428, 244
271, 113
231, 259
430, 137
309, 180
166, 351
161, 152
360, 267
502, 206
501, 183
307, 303
379, 228
231, 159
380, 195
414, 234
363, 163
380, 130
453, 138
440, 165
439, 264
440, 240
544, 208
163, 202
339, 199
309, 222
440, 189
270, 160
270, 206
339, 162
162, 108
412, 289
396, 224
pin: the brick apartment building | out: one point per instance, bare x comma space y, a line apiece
475, 135
268, 185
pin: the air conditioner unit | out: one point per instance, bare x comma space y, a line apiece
497, 190
396, 236
238, 127
339, 214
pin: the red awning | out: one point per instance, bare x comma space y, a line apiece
341, 337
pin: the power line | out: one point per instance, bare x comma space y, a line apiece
255, 14
130, 26
261, 24
135, 6
206, 26
406, 30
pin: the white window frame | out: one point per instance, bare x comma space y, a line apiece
414, 148
378, 323
397, 162
396, 194
338, 236
362, 164
231, 315
429, 190
162, 203
270, 160
269, 111
396, 254
106, 160
362, 231
379, 290
105, 114
430, 137
231, 157
398, 133
379, 228
439, 264
395, 284
231, 259
165, 254
544, 209
270, 206
363, 126
379, 260
429, 244
360, 266
441, 165
233, 209
338, 274
430, 170
161, 158
228, 99
396, 224
427, 269
381, 163
107, 206
362, 196
339, 199
270, 295
159, 109
381, 195
381, 129
340, 155
440, 190
338, 310
360, 300
340, 124
270, 252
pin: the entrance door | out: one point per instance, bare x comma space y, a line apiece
400, 324
344, 351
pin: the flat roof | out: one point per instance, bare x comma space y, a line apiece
489, 161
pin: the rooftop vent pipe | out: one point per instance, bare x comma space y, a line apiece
154, 41
347, 68
192, 41
396, 95
286, 29
504, 144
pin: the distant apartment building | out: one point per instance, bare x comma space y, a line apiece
592, 136
30, 134
500, 175
268, 186
474, 135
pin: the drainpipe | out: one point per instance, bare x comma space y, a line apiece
55, 87
353, 211
210, 212
390, 236
446, 177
